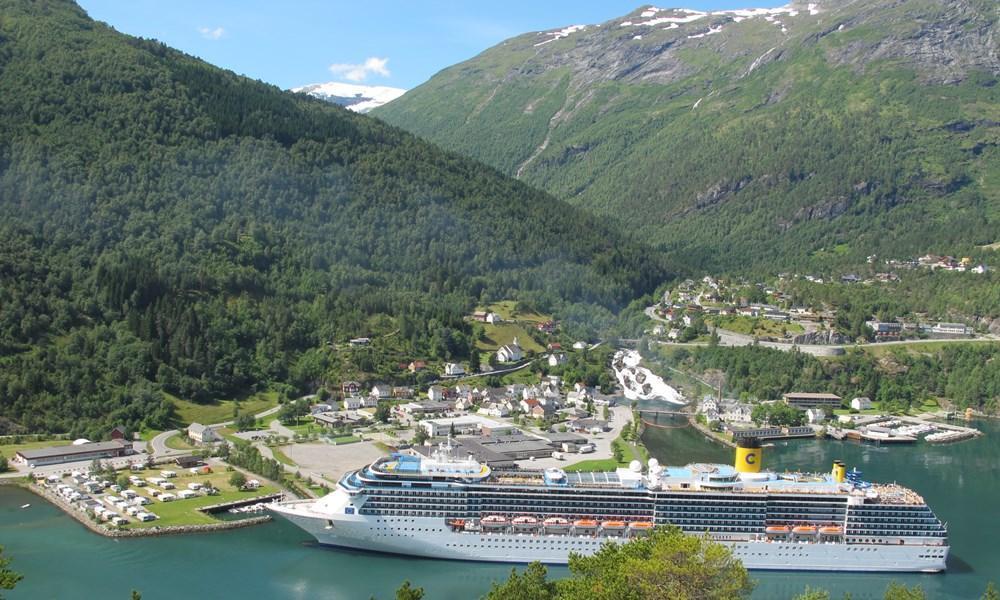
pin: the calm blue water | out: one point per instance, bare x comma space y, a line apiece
61, 559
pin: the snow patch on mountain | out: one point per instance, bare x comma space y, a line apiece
359, 98
565, 32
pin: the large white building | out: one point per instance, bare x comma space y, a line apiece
464, 425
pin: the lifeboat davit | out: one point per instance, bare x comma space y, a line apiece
777, 530
804, 530
831, 530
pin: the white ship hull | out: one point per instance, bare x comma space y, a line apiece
432, 538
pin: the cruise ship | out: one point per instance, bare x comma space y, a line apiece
448, 507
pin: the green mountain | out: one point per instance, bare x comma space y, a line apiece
769, 140
167, 226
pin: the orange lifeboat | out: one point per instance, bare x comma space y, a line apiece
804, 530
640, 525
525, 522
777, 530
585, 524
456, 523
613, 525
831, 530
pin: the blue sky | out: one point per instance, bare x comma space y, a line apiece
388, 42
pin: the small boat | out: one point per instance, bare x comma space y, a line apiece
25, 505
525, 523
831, 530
616, 525
455, 524
640, 527
804, 530
585, 524
556, 524
777, 530
493, 522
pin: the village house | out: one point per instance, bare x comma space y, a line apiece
416, 366
736, 412
494, 409
381, 391
453, 369
546, 326
401, 392
861, 403
557, 359
435, 393
464, 403
579, 345
493, 318
350, 388
815, 415
361, 341
352, 402
202, 434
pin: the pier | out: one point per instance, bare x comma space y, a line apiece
215, 508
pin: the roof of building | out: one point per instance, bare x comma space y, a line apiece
811, 395
54, 451
199, 428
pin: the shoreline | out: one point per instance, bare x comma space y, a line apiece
154, 531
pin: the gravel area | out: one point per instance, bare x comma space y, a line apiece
332, 461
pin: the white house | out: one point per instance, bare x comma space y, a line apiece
454, 369
557, 359
509, 353
435, 393
494, 409
493, 318
861, 403
579, 345
369, 401
737, 412
352, 403
816, 415
202, 434
382, 390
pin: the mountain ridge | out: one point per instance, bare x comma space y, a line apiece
771, 136
168, 227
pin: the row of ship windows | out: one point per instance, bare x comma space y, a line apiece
519, 545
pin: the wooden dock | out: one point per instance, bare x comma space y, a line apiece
224, 506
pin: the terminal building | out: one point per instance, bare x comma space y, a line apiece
56, 455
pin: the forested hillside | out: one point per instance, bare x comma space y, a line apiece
169, 226
801, 137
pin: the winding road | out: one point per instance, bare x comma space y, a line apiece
159, 443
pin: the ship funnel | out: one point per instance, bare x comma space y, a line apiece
839, 472
749, 455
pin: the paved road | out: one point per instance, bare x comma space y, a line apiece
159, 443
618, 417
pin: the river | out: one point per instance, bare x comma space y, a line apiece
61, 559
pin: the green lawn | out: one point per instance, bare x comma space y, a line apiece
281, 456
915, 348
507, 312
344, 439
758, 326
189, 412
185, 512
306, 426
597, 464
179, 442
504, 333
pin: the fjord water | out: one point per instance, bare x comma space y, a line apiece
960, 482
61, 559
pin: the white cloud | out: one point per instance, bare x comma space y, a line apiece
212, 33
360, 72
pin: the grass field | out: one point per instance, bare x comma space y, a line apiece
282, 457
758, 326
916, 347
597, 464
207, 414
507, 312
504, 333
178, 442
344, 439
185, 512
